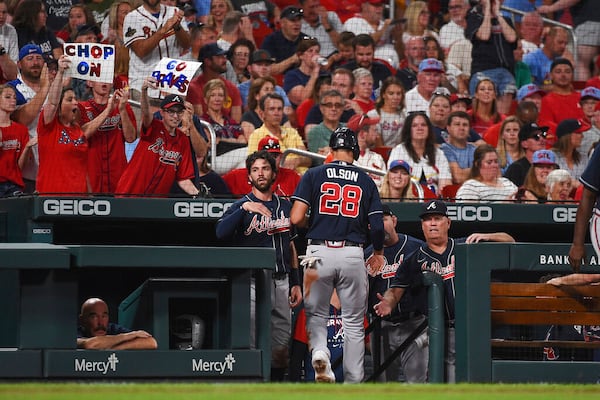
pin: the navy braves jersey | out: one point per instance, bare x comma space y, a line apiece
409, 274
591, 176
394, 257
344, 204
255, 230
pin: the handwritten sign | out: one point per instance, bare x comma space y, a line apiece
91, 61
174, 75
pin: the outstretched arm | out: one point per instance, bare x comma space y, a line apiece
51, 105
575, 279
490, 237
388, 301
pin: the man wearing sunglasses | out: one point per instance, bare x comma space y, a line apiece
532, 138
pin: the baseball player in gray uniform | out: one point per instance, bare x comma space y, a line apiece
345, 210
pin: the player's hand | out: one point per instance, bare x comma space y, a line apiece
555, 281
256, 207
295, 296
576, 255
383, 308
374, 264
477, 237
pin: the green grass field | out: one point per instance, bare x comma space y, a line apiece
259, 391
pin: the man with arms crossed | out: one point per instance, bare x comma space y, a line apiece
96, 333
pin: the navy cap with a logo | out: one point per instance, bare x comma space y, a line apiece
434, 207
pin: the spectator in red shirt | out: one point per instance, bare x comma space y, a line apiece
163, 156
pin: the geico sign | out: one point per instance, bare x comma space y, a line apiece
470, 213
564, 214
76, 207
183, 209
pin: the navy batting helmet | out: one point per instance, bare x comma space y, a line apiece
344, 138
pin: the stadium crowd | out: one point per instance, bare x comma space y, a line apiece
447, 99
434, 80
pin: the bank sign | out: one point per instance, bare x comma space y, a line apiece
159, 363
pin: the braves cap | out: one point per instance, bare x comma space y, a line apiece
261, 56
571, 125
387, 210
400, 164
431, 64
171, 101
531, 130
358, 122
29, 49
210, 50
560, 61
544, 157
270, 144
590, 91
434, 207
528, 90
292, 12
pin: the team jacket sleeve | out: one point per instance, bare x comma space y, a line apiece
376, 231
231, 220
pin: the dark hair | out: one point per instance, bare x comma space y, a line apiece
528, 108
275, 96
261, 154
26, 15
89, 19
255, 88
239, 43
406, 138
346, 38
440, 52
306, 44
363, 40
562, 146
478, 156
321, 80
459, 114
389, 81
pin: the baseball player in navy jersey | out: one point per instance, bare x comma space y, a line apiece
404, 318
345, 210
262, 219
590, 202
436, 255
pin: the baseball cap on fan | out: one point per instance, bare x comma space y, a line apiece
431, 64
270, 144
291, 13
29, 49
434, 207
172, 100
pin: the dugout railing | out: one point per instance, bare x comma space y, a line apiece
476, 267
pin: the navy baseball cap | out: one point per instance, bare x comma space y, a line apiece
291, 13
261, 55
210, 50
571, 126
387, 210
29, 49
172, 100
434, 207
531, 130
